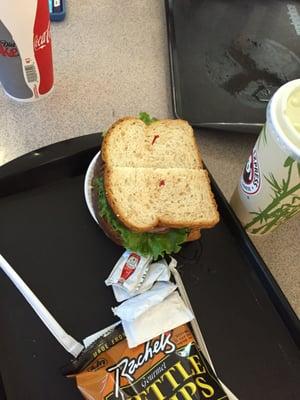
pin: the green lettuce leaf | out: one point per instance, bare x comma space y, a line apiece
154, 244
146, 118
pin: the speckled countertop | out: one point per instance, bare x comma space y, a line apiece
111, 60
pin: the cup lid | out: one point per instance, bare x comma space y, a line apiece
282, 112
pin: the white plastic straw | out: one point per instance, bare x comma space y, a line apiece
194, 323
67, 341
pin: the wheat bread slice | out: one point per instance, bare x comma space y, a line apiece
165, 143
194, 234
145, 198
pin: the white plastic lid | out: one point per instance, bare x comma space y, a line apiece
285, 128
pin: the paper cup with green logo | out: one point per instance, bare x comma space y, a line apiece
269, 189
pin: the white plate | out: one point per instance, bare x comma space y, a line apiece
88, 186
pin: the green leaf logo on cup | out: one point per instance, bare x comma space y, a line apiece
269, 189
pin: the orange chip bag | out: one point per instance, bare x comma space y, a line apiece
170, 366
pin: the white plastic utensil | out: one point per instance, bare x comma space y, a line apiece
195, 325
67, 341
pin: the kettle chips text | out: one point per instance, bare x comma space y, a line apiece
187, 378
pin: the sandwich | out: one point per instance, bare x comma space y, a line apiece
151, 192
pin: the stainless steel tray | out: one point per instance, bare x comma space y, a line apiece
228, 57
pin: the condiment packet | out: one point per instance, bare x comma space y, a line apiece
162, 317
122, 294
169, 366
136, 306
130, 271
158, 271
162, 266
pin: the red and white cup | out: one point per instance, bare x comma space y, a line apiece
26, 67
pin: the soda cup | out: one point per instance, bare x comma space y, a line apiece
26, 68
268, 193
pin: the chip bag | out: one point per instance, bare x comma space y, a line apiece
170, 366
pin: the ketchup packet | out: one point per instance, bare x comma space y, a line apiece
170, 366
129, 272
157, 271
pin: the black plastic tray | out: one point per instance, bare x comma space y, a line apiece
48, 235
228, 57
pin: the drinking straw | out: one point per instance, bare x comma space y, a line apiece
194, 323
67, 341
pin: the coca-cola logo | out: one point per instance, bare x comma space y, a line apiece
41, 41
250, 180
8, 48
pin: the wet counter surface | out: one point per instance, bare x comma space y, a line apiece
111, 60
